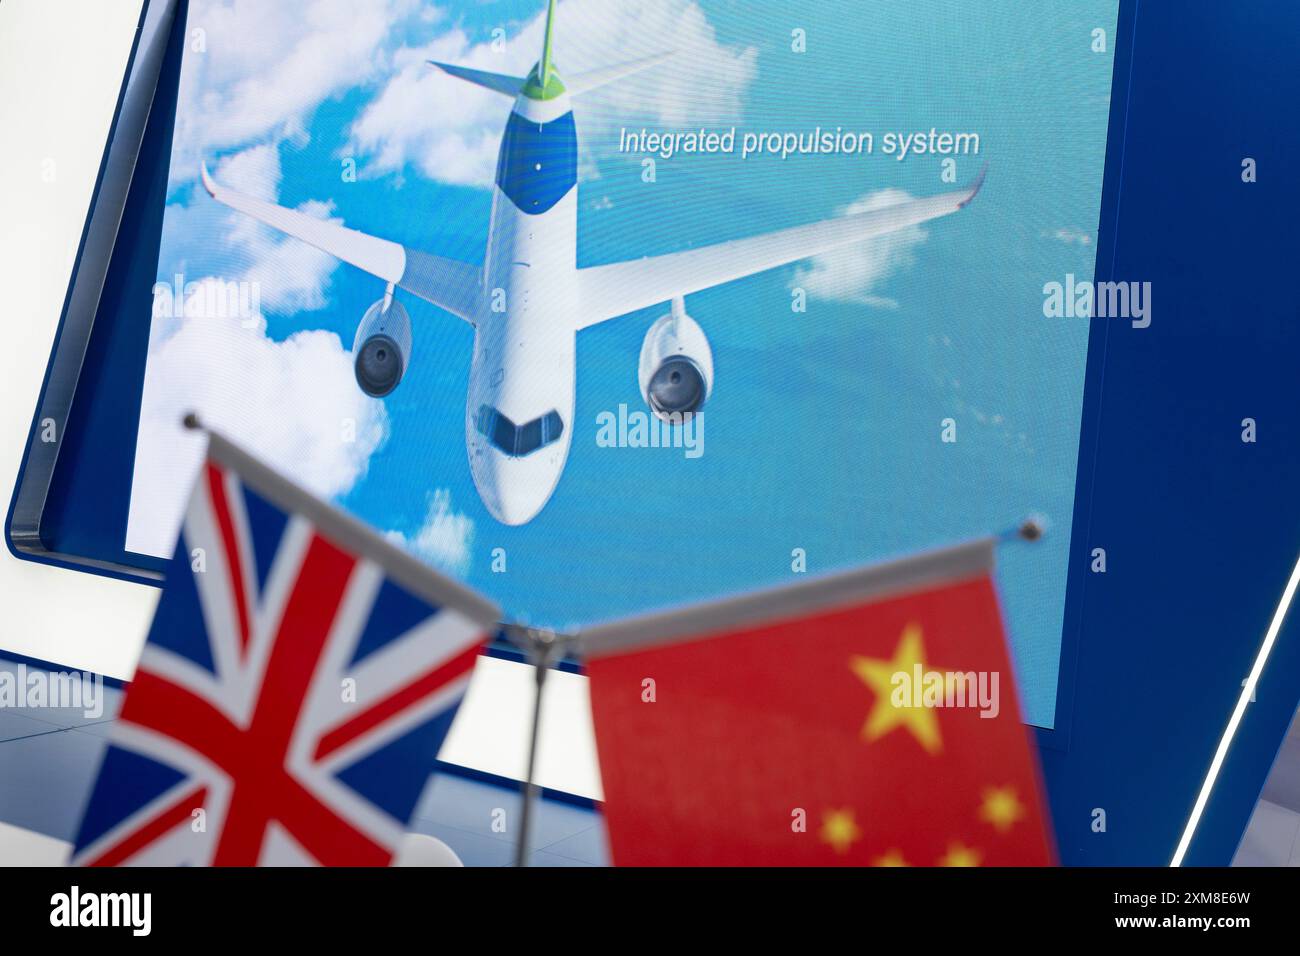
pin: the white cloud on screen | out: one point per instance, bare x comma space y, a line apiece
1070, 236
287, 402
266, 67
854, 273
287, 275
256, 69
294, 404
450, 130
291, 276
445, 537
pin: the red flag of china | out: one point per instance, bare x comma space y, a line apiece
869, 718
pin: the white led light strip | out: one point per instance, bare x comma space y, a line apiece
1247, 692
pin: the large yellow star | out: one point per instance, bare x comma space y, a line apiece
879, 676
959, 855
840, 830
1001, 808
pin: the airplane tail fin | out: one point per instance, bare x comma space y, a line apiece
535, 84
496, 82
594, 79
543, 82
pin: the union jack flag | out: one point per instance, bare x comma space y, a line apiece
298, 680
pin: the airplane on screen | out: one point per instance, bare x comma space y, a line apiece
529, 298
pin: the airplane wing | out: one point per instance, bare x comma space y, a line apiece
613, 290
448, 284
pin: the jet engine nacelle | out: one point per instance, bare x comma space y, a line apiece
676, 368
382, 349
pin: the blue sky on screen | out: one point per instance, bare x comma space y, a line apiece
823, 429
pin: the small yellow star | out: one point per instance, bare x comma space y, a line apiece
1001, 808
959, 855
892, 858
840, 830
879, 676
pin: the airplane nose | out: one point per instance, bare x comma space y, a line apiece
519, 505
513, 493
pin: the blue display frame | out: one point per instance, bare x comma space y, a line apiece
1147, 679
1146, 683
72, 497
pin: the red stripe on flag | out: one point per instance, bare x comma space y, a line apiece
234, 565
305, 626
172, 816
398, 701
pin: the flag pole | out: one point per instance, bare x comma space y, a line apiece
542, 647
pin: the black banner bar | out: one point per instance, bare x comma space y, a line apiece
364, 905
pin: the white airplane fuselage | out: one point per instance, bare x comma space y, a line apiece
522, 376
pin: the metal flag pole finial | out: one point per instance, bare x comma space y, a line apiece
543, 648
1031, 528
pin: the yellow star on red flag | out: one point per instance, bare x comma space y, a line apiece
885, 714
840, 830
892, 858
1001, 808
960, 855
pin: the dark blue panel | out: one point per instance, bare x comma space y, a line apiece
396, 611
266, 525
178, 622
538, 164
1200, 529
393, 777
90, 490
126, 782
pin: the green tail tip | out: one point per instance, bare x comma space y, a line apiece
546, 66
543, 83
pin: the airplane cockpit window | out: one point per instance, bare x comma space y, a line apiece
518, 440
